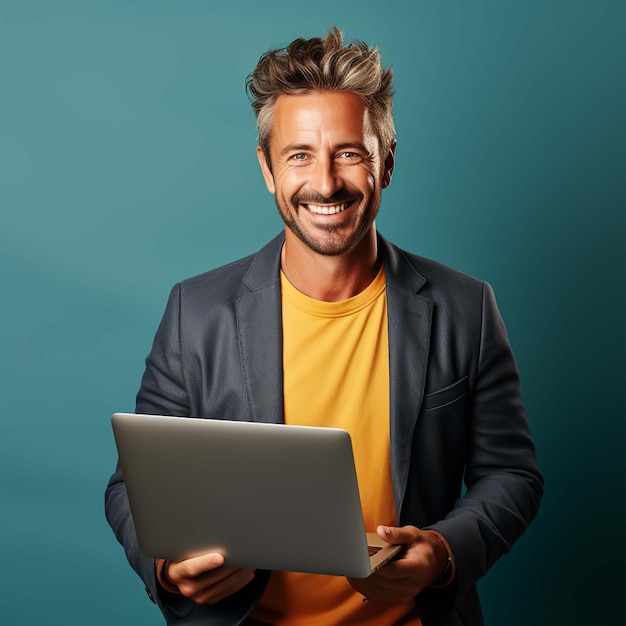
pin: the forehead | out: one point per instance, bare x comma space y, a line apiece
329, 116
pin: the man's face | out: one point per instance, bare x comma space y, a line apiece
327, 173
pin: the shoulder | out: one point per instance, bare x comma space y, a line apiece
429, 277
230, 281
225, 279
456, 299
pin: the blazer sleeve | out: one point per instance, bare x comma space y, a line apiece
504, 485
164, 391
163, 388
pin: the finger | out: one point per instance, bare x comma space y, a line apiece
395, 535
196, 566
394, 571
413, 563
226, 586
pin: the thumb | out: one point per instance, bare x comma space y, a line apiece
395, 535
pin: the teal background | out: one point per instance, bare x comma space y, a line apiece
127, 163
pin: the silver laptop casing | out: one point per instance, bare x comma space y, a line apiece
267, 496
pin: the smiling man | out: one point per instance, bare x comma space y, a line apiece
327, 170
331, 325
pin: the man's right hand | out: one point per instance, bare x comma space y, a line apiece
205, 579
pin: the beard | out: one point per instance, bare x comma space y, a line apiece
329, 239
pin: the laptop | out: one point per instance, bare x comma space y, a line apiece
266, 496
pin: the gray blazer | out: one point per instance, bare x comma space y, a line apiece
455, 409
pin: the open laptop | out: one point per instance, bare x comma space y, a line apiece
267, 496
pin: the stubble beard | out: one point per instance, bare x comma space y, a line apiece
330, 242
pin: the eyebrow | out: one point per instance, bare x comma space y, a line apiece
350, 145
295, 148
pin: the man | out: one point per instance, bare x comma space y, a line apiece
332, 325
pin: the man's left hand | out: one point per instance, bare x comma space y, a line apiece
419, 564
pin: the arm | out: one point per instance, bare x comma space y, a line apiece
423, 562
164, 391
504, 485
204, 579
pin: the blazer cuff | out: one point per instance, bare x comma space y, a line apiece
448, 574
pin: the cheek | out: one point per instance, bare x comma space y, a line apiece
288, 182
367, 178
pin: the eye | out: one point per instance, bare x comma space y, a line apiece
350, 157
299, 157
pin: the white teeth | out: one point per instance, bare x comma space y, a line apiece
327, 210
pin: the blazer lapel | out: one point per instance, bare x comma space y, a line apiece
259, 322
409, 319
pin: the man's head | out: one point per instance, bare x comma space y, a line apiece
326, 141
308, 65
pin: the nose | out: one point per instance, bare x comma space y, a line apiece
326, 179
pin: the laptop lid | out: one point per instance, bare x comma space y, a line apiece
267, 496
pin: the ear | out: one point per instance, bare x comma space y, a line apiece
390, 161
265, 169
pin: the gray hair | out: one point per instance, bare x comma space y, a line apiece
318, 64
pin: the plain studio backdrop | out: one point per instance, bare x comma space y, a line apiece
127, 163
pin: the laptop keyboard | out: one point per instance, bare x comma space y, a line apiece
373, 550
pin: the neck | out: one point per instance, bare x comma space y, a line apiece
330, 278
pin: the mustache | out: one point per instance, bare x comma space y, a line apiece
311, 197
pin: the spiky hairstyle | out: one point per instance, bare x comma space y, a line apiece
319, 64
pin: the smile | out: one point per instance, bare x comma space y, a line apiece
327, 210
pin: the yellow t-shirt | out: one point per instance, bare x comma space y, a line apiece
336, 374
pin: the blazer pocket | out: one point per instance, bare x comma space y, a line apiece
446, 396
